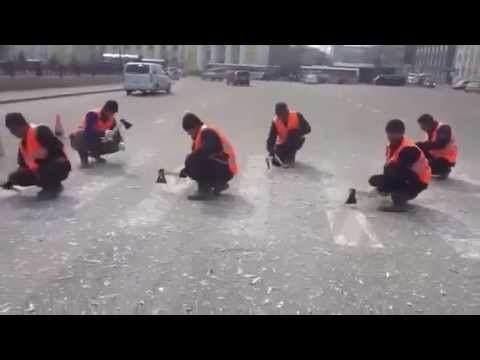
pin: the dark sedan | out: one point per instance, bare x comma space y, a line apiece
391, 80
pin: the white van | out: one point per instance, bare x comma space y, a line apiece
146, 77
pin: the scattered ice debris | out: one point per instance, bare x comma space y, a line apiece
110, 296
269, 290
73, 243
111, 234
149, 292
133, 187
387, 275
239, 271
30, 308
280, 304
443, 292
161, 289
390, 307
106, 283
92, 261
255, 280
266, 301
409, 304
204, 282
360, 281
419, 310
249, 276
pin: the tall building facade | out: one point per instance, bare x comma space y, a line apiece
467, 62
437, 60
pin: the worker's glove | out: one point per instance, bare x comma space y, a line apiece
183, 173
7, 186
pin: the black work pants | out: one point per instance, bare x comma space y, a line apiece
396, 180
207, 172
47, 176
439, 165
287, 151
96, 148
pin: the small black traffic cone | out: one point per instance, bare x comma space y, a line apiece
352, 199
161, 177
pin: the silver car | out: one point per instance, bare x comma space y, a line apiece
473, 86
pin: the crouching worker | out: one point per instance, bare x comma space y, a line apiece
440, 146
98, 134
287, 135
41, 157
212, 162
406, 172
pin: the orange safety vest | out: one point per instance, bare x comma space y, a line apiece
99, 125
31, 149
420, 167
282, 130
227, 148
449, 152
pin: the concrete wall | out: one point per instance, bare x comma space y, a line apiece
32, 83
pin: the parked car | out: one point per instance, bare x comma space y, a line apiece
428, 82
310, 79
460, 85
413, 78
473, 86
238, 77
213, 74
392, 80
145, 77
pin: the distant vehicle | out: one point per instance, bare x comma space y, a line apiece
392, 80
473, 86
429, 83
214, 74
460, 85
310, 79
146, 77
238, 77
413, 78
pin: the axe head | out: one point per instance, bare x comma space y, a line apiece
161, 179
125, 123
352, 199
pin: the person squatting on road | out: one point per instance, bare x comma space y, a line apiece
287, 134
212, 162
96, 135
41, 157
440, 146
406, 172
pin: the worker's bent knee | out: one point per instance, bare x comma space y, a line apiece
374, 180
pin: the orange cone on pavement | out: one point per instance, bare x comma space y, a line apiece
59, 127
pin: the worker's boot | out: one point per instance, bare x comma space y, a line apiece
220, 187
99, 159
444, 175
399, 203
203, 193
50, 192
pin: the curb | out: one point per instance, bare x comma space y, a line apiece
11, 101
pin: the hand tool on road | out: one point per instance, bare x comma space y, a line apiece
9, 186
352, 195
161, 179
269, 159
109, 134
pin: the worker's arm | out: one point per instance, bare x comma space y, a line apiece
211, 144
303, 126
91, 133
444, 135
272, 136
50, 142
20, 161
408, 156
